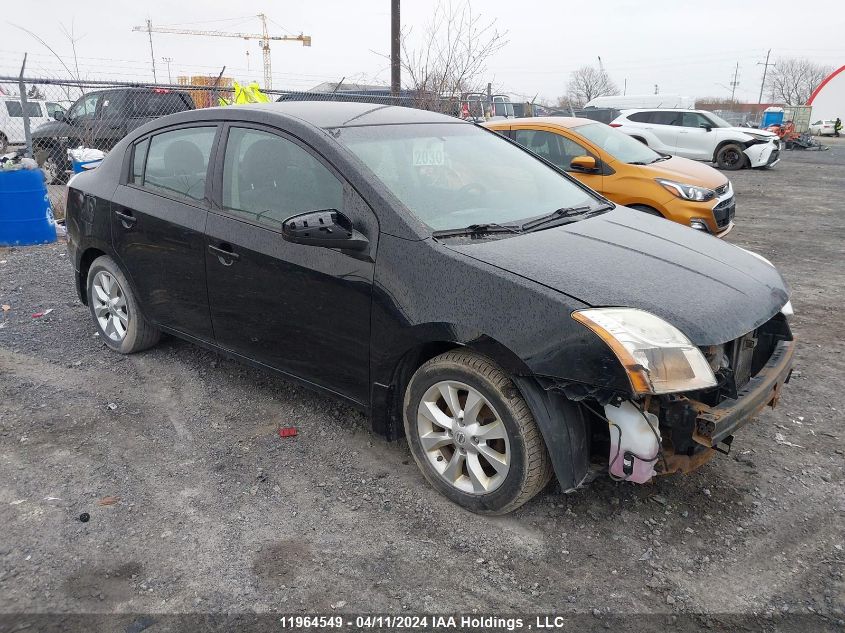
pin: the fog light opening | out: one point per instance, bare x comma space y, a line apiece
699, 225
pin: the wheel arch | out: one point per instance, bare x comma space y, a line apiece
85, 260
389, 384
721, 144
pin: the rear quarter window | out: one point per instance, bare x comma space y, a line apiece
640, 117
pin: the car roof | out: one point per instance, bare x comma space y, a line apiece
332, 114
559, 121
632, 110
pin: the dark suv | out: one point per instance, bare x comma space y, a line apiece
100, 119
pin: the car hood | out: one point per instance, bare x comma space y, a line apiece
684, 170
751, 130
51, 129
712, 291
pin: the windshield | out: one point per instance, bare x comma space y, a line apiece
618, 144
717, 120
452, 175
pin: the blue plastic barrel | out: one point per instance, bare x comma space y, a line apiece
25, 214
79, 167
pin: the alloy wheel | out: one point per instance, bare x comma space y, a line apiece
463, 437
110, 306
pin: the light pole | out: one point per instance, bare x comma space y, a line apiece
167, 61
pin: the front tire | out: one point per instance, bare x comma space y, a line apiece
730, 157
472, 434
115, 311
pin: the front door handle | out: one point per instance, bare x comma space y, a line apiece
126, 218
225, 254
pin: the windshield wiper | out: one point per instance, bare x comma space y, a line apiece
558, 214
478, 229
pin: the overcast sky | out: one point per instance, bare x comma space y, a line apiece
687, 48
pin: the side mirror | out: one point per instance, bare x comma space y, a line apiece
583, 163
328, 228
709, 128
59, 115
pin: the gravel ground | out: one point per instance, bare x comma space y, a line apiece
217, 513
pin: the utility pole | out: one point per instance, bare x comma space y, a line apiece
167, 61
734, 83
765, 66
152, 53
395, 37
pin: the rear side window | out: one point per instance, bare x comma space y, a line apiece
267, 178
155, 103
640, 117
15, 109
177, 162
666, 118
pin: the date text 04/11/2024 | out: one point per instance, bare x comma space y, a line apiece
412, 622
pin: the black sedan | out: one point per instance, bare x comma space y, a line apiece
508, 321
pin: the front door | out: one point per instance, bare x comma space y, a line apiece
303, 310
158, 227
695, 137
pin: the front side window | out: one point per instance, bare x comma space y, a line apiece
115, 105
267, 178
177, 162
694, 119
555, 148
619, 145
86, 107
452, 175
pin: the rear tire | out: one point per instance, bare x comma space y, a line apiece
478, 444
115, 310
730, 157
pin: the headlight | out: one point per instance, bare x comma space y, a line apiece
687, 192
656, 355
760, 137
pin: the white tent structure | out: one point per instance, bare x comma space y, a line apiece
828, 100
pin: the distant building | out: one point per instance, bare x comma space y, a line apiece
828, 100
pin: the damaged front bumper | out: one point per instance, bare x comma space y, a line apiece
716, 424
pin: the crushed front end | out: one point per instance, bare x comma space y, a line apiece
665, 428
750, 371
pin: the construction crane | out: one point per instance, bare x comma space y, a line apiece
264, 39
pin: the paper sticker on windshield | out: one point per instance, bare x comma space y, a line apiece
429, 152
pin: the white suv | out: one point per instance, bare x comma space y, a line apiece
700, 135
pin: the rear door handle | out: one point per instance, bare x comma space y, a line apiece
225, 254
126, 219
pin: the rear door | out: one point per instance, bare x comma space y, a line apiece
664, 124
301, 309
159, 213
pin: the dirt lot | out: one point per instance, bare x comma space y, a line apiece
217, 513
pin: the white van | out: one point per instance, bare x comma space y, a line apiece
626, 102
11, 118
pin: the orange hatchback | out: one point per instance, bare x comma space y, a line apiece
628, 172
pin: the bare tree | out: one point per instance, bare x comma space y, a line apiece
587, 83
793, 79
450, 57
